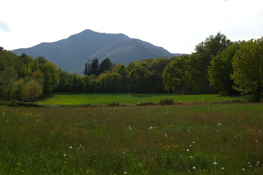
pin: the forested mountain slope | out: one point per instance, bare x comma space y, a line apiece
72, 53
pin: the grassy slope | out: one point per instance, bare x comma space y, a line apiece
200, 139
125, 98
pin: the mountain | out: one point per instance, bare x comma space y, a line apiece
72, 53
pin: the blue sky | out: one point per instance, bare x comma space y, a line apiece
176, 25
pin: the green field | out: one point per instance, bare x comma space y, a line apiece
127, 99
178, 139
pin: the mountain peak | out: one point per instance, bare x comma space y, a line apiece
72, 53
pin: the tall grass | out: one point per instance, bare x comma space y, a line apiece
185, 139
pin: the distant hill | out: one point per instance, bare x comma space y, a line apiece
72, 53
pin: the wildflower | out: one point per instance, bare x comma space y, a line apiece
129, 127
194, 167
215, 163
193, 142
3, 113
64, 155
191, 157
165, 135
70, 147
124, 172
222, 168
258, 162
243, 169
187, 150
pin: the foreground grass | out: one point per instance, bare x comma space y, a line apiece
185, 139
127, 99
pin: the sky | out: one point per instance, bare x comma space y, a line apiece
176, 25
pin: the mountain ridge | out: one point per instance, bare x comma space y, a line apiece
71, 54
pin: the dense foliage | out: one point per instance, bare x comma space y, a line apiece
217, 66
24, 78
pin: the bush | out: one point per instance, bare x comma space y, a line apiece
166, 101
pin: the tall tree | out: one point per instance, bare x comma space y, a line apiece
8, 79
94, 67
221, 68
248, 69
122, 70
137, 79
200, 61
105, 65
175, 75
86, 69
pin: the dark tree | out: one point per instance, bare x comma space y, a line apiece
94, 67
105, 65
86, 69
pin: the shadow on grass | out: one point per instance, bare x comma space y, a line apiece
46, 97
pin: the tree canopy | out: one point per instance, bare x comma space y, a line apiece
248, 69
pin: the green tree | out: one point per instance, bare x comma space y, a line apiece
77, 83
9, 77
104, 82
18, 90
137, 79
50, 72
33, 90
221, 68
115, 82
86, 69
175, 75
93, 85
105, 65
248, 69
199, 62
122, 70
94, 67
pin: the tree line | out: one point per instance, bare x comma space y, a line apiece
218, 65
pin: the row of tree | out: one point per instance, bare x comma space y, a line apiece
228, 67
217, 66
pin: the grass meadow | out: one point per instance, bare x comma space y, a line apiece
128, 99
176, 139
